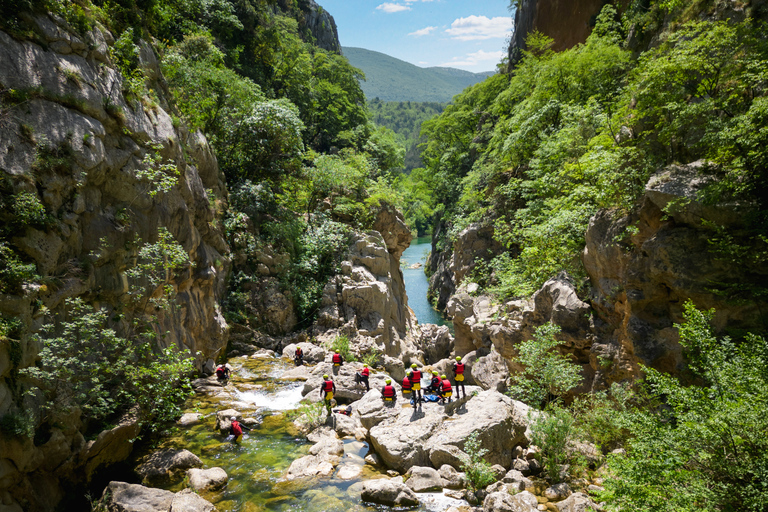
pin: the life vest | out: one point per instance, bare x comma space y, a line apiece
446, 386
299, 352
327, 386
406, 385
458, 369
415, 376
336, 359
366, 372
235, 429
388, 392
435, 383
220, 371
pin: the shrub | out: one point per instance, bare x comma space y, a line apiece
478, 471
551, 430
340, 344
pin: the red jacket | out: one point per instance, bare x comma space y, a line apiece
388, 391
365, 372
235, 429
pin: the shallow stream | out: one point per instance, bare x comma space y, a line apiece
256, 465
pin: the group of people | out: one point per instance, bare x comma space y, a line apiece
411, 385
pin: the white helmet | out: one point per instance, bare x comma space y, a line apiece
232, 419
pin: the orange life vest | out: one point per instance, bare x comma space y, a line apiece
388, 391
235, 429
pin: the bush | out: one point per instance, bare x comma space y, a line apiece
340, 344
551, 430
478, 471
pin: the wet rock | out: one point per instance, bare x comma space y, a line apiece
391, 492
190, 418
557, 492
223, 422
576, 502
505, 502
423, 479
207, 479
125, 497
349, 471
163, 466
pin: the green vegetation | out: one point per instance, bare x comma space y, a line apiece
391, 79
340, 344
538, 153
548, 374
476, 468
551, 430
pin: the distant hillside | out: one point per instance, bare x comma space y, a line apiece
391, 79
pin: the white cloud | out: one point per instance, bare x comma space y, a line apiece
423, 31
390, 7
474, 28
473, 59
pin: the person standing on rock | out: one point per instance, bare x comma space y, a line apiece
388, 392
327, 390
416, 382
458, 375
337, 359
298, 356
407, 388
445, 389
364, 374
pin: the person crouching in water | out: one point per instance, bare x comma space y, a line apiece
362, 377
327, 390
407, 389
445, 389
236, 429
458, 375
222, 373
415, 377
388, 392
298, 356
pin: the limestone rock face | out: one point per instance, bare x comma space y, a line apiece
102, 211
435, 341
323, 27
392, 492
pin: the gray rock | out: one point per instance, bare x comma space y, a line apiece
498, 471
557, 492
576, 502
164, 465
452, 479
189, 419
349, 471
392, 492
523, 466
505, 502
125, 497
188, 501
207, 479
424, 479
435, 341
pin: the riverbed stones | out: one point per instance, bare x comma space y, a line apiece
349, 471
576, 502
423, 479
323, 456
557, 492
505, 502
165, 465
392, 492
207, 479
125, 497
189, 501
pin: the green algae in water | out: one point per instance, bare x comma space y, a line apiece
256, 465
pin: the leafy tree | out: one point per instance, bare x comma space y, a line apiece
548, 374
705, 449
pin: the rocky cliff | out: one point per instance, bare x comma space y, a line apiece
323, 27
568, 22
77, 140
642, 267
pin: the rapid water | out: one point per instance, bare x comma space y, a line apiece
416, 282
255, 466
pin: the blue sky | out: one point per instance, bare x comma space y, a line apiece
464, 34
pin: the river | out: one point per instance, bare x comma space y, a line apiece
416, 282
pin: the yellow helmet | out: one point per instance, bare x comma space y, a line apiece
325, 376
443, 377
413, 365
388, 381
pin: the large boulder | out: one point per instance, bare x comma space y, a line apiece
504, 502
189, 501
125, 497
392, 492
499, 422
435, 341
344, 377
207, 479
163, 466
577, 502
424, 479
312, 353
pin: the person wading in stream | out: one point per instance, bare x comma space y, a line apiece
388, 392
327, 390
445, 389
415, 377
236, 429
407, 388
458, 371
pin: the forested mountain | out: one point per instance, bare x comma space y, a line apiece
391, 79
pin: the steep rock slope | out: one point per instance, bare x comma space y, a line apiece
76, 143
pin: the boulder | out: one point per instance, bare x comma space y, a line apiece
576, 502
452, 479
190, 418
312, 353
323, 456
344, 378
557, 492
435, 341
207, 479
371, 410
223, 422
392, 492
489, 371
424, 479
505, 502
499, 421
189, 501
349, 471
125, 497
163, 466
516, 480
